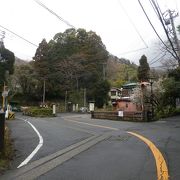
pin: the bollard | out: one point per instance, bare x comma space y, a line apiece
2, 128
54, 109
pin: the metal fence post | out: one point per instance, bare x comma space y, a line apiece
2, 128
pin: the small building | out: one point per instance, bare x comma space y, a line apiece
114, 94
125, 104
127, 89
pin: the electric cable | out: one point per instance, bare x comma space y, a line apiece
55, 14
156, 60
132, 51
131, 21
155, 29
165, 67
160, 18
155, 57
153, 8
18, 36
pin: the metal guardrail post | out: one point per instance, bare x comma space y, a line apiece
2, 129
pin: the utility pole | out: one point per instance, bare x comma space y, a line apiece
175, 35
44, 91
2, 36
65, 101
3, 97
84, 97
169, 16
4, 94
151, 100
104, 71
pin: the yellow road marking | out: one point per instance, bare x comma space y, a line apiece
106, 127
162, 170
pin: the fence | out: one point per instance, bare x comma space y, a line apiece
137, 116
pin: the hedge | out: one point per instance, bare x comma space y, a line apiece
38, 112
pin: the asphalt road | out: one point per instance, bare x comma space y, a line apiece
78, 147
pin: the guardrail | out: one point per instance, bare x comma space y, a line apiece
2, 129
137, 116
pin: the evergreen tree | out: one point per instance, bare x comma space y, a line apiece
72, 60
143, 69
101, 93
7, 59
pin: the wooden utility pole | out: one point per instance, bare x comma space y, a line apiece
169, 16
65, 102
44, 91
84, 97
3, 97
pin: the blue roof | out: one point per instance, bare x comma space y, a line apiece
129, 85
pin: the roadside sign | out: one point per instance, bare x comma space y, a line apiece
120, 113
177, 102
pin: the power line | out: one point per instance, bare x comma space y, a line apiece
53, 13
156, 60
165, 67
156, 6
137, 31
153, 8
132, 51
155, 29
19, 36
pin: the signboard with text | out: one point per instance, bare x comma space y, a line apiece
120, 113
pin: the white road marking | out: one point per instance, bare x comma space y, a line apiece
95, 125
36, 149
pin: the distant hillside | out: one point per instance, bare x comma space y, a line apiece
117, 60
120, 71
120, 60
19, 62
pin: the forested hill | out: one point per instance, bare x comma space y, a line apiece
19, 61
120, 71
121, 60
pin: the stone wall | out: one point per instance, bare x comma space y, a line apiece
135, 116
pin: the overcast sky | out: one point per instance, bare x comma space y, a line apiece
105, 17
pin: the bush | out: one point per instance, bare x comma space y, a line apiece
167, 112
38, 112
177, 111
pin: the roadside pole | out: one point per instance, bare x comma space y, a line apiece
4, 96
2, 130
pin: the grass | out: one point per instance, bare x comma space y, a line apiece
7, 154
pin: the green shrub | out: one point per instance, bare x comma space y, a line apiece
167, 112
177, 111
39, 112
